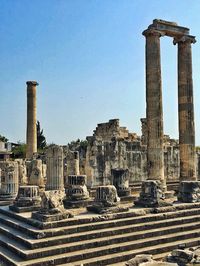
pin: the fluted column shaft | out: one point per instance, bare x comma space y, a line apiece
186, 109
55, 179
154, 109
31, 133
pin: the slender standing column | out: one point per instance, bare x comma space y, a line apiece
31, 133
186, 109
154, 110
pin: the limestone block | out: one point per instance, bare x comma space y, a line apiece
106, 201
52, 201
36, 177
189, 191
23, 179
138, 259
121, 181
180, 256
151, 195
52, 208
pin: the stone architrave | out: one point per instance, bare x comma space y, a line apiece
154, 109
28, 199
121, 181
106, 201
55, 179
10, 184
31, 133
36, 173
52, 208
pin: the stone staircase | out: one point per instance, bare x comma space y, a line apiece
95, 240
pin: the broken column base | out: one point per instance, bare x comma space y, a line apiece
151, 195
189, 191
52, 208
28, 199
106, 201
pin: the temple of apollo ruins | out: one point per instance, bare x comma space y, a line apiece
119, 199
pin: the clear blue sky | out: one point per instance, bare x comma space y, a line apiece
88, 57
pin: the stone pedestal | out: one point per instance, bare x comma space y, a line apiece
52, 208
189, 191
151, 195
10, 181
31, 132
77, 194
106, 201
55, 179
28, 199
121, 182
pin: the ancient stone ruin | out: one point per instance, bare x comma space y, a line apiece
133, 200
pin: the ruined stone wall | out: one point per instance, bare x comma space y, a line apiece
112, 146
126, 150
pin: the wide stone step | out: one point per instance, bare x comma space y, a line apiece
146, 228
92, 218
105, 259
105, 245
21, 226
129, 221
149, 218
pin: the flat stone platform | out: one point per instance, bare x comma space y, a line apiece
92, 239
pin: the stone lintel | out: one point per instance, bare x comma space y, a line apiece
170, 29
184, 39
33, 83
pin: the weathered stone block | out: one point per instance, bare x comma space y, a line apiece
121, 181
189, 191
106, 201
28, 199
151, 195
52, 208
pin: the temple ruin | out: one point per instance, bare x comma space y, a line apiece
123, 197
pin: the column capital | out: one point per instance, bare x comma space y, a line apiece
32, 83
153, 32
184, 39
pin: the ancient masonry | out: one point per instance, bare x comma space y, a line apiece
36, 225
114, 147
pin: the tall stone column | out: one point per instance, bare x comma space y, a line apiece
186, 109
31, 133
55, 179
154, 109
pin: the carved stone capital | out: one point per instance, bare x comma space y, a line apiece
32, 83
184, 39
153, 32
